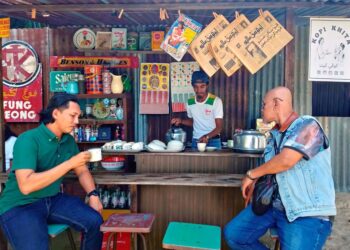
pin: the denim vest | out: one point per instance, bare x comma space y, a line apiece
306, 189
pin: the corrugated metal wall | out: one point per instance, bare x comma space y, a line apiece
337, 128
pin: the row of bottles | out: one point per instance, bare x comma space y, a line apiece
85, 133
117, 197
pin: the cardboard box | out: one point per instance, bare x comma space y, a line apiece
145, 41
157, 39
119, 41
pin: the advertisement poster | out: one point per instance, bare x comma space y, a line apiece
22, 79
180, 36
329, 51
154, 85
181, 84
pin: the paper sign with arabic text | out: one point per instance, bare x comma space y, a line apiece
199, 47
260, 41
220, 49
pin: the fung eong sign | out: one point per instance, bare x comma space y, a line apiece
22, 78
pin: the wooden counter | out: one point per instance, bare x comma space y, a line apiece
187, 186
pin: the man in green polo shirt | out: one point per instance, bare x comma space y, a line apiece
32, 198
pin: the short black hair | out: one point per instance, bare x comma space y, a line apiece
58, 101
8, 132
200, 77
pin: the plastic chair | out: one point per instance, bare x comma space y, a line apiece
56, 229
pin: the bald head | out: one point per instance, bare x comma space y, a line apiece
281, 94
277, 105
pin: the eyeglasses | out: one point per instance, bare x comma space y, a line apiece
263, 104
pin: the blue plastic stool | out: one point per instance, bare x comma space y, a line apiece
56, 229
189, 236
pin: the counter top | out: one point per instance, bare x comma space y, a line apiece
191, 152
206, 180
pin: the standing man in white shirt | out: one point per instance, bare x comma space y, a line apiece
205, 113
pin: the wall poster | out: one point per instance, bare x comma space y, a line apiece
329, 50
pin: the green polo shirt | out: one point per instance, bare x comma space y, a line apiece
38, 149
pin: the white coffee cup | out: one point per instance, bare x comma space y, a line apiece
96, 154
201, 146
230, 143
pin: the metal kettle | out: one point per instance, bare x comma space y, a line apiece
249, 141
176, 133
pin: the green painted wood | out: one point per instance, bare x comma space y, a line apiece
181, 235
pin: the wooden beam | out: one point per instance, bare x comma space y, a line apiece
3, 241
168, 6
290, 51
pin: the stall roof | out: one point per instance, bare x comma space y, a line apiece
77, 13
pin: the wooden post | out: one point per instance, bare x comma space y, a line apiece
3, 242
290, 51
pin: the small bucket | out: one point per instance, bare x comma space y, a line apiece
93, 79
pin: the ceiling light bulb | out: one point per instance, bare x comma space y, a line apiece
45, 14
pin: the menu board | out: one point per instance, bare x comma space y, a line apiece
220, 49
199, 48
260, 41
154, 85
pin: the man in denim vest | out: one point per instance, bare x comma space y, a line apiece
298, 153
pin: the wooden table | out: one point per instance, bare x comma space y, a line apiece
128, 223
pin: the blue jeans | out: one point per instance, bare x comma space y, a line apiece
212, 143
26, 226
244, 231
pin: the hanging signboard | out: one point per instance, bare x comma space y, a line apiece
81, 61
329, 50
224, 56
260, 41
22, 78
4, 27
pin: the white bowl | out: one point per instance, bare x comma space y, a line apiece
154, 146
175, 145
201, 146
210, 149
159, 143
117, 165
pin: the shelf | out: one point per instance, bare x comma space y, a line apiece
93, 96
92, 142
95, 121
121, 51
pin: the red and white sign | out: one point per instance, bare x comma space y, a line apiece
22, 78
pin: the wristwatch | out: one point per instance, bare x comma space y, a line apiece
249, 175
207, 137
93, 192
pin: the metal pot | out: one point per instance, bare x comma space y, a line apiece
176, 133
249, 141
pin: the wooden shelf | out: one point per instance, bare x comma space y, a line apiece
93, 96
96, 121
91, 142
92, 51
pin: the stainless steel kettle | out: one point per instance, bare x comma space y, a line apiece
176, 133
249, 141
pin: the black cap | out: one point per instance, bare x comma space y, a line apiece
200, 77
